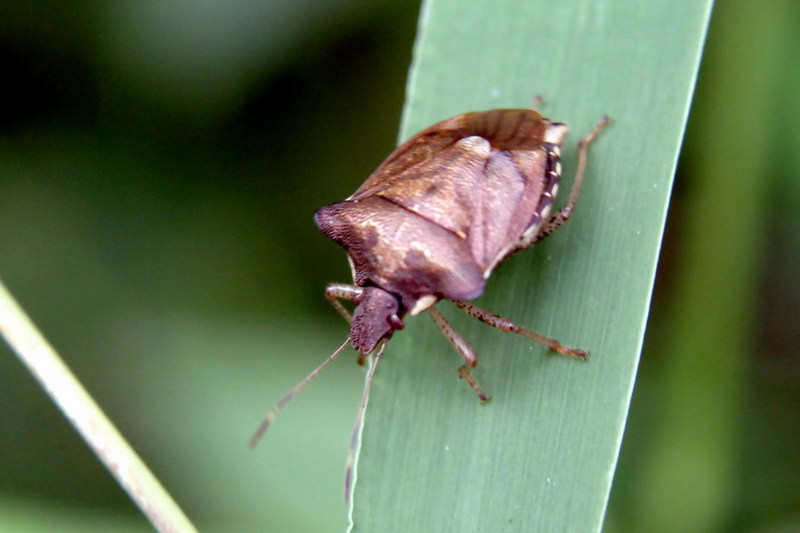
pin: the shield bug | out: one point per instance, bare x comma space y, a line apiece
434, 221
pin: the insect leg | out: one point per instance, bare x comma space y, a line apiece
505, 324
466, 351
336, 291
563, 214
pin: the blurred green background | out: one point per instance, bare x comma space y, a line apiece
159, 167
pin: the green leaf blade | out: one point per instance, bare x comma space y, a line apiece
541, 455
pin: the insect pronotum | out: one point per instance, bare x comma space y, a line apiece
433, 222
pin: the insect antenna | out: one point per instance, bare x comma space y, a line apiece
289, 395
351, 455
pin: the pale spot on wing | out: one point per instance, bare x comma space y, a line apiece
479, 146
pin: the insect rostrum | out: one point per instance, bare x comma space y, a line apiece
436, 218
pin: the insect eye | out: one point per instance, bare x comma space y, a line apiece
396, 322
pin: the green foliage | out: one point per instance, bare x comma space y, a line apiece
160, 166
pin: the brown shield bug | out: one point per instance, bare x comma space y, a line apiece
433, 222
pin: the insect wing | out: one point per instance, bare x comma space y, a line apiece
414, 152
479, 175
